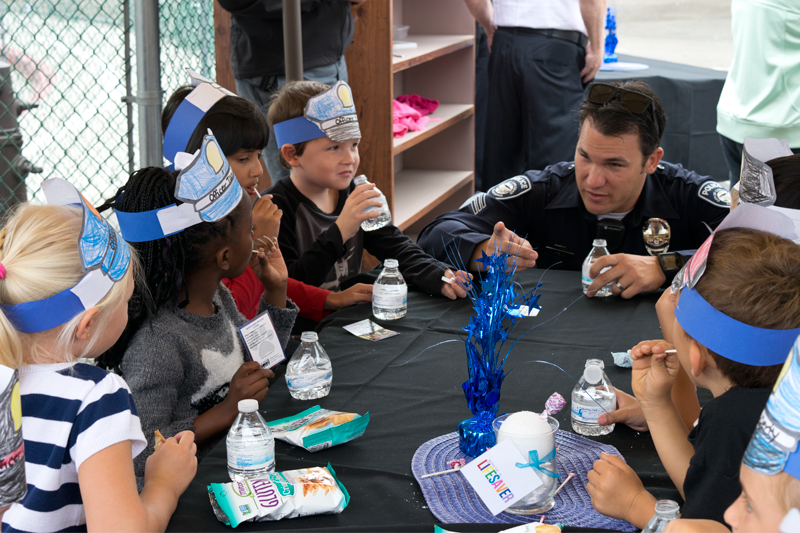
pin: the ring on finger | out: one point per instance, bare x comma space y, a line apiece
620, 287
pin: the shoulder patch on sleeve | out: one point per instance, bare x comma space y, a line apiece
476, 203
511, 188
715, 194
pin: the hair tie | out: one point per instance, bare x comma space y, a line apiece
2, 271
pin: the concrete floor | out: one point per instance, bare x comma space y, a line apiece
693, 32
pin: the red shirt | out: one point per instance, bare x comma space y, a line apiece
247, 290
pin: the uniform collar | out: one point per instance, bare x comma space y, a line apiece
653, 201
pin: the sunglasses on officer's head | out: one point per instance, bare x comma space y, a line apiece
635, 102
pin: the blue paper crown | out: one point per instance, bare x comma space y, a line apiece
329, 114
773, 447
208, 188
105, 259
727, 336
189, 113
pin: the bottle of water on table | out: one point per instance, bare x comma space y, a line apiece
389, 293
666, 512
309, 373
599, 250
251, 447
385, 217
592, 397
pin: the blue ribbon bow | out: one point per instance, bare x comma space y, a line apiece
536, 463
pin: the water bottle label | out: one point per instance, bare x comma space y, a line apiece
587, 414
389, 296
253, 459
309, 379
585, 272
381, 199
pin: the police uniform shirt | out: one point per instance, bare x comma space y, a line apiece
546, 208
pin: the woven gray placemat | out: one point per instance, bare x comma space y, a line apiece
453, 501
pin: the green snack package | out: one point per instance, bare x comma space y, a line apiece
289, 494
316, 429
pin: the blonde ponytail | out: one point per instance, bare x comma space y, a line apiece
39, 252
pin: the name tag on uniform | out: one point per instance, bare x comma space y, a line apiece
262, 342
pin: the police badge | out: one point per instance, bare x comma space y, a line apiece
656, 235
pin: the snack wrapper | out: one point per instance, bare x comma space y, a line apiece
553, 405
289, 494
622, 359
12, 450
316, 429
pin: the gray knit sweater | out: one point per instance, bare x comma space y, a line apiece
181, 366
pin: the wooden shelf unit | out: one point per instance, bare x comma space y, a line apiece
427, 172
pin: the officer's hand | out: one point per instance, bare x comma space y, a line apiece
504, 240
635, 273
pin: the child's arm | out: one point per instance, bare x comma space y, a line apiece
696, 526
652, 377
359, 293
108, 485
618, 492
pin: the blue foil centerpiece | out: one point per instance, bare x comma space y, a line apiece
497, 308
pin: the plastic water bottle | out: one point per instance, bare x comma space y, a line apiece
594, 388
251, 448
599, 250
389, 293
666, 512
386, 216
309, 373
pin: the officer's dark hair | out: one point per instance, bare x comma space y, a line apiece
786, 171
738, 256
613, 119
237, 123
164, 262
290, 102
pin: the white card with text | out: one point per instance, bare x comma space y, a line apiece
496, 478
261, 341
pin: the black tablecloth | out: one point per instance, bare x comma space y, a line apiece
689, 96
423, 399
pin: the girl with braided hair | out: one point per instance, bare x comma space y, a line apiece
181, 352
81, 428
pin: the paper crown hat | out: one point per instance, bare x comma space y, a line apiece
184, 121
773, 447
329, 114
207, 187
105, 258
717, 331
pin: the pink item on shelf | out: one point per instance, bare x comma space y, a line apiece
405, 118
426, 106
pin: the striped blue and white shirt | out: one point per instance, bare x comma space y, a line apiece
70, 411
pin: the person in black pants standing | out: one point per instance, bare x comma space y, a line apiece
543, 53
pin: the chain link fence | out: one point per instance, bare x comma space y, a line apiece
70, 58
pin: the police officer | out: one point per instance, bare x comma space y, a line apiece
618, 189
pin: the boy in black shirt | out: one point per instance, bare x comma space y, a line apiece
738, 310
321, 237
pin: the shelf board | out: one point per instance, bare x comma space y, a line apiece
448, 113
428, 47
418, 192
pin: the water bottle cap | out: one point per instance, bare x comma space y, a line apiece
309, 336
361, 179
248, 406
599, 242
593, 374
390, 263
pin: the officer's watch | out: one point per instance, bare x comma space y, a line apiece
670, 263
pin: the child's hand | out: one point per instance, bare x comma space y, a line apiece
266, 219
618, 492
359, 293
695, 526
269, 266
653, 372
353, 214
457, 289
250, 382
174, 463
665, 309
628, 412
